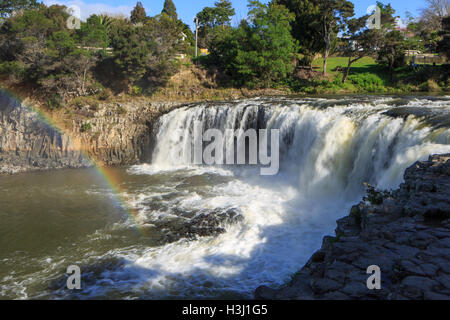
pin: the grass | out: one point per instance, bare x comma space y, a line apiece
366, 64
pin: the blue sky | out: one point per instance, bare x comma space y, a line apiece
187, 9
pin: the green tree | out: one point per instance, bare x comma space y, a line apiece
358, 42
94, 32
169, 9
444, 45
138, 14
259, 53
130, 53
210, 18
390, 43
9, 6
305, 27
333, 19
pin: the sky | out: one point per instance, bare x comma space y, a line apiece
187, 9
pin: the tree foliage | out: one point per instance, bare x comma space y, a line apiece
138, 14
170, 10
7, 7
259, 53
210, 18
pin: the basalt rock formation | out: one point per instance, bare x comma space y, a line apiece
405, 233
113, 134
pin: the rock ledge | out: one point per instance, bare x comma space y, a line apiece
405, 233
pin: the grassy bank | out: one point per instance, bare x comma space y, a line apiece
367, 77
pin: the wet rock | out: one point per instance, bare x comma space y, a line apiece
406, 234
203, 224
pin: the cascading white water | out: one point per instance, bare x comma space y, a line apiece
328, 149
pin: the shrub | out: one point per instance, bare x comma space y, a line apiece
55, 102
85, 127
136, 90
12, 68
430, 86
367, 81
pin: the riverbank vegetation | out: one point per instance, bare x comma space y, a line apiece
285, 46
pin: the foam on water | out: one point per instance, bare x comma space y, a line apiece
328, 150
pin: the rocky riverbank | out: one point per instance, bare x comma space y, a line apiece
406, 233
111, 134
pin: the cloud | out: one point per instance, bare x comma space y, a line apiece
87, 9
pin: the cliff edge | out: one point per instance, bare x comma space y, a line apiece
405, 233
109, 134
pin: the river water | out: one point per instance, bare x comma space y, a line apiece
146, 246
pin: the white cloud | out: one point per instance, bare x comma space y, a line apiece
87, 9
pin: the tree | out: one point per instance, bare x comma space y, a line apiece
260, 52
7, 7
333, 16
130, 53
430, 22
444, 44
358, 42
94, 32
138, 14
390, 43
433, 15
212, 17
169, 9
305, 27
391, 51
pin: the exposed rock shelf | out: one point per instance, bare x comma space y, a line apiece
407, 235
114, 134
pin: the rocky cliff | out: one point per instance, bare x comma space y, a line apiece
111, 134
406, 233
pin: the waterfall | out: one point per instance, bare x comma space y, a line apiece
331, 148
327, 149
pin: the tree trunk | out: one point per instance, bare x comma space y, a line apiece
325, 62
327, 38
391, 65
347, 71
84, 81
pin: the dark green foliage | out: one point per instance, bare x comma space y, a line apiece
444, 45
85, 127
258, 53
55, 102
94, 33
375, 196
170, 10
138, 14
305, 27
9, 6
213, 21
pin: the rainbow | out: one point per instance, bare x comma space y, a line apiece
108, 176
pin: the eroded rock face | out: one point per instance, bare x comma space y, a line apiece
407, 236
112, 135
27, 142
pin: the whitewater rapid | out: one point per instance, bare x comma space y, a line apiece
328, 149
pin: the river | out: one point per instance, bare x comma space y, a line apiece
140, 238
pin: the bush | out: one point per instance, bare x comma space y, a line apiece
367, 81
55, 102
85, 127
136, 90
430, 86
12, 69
